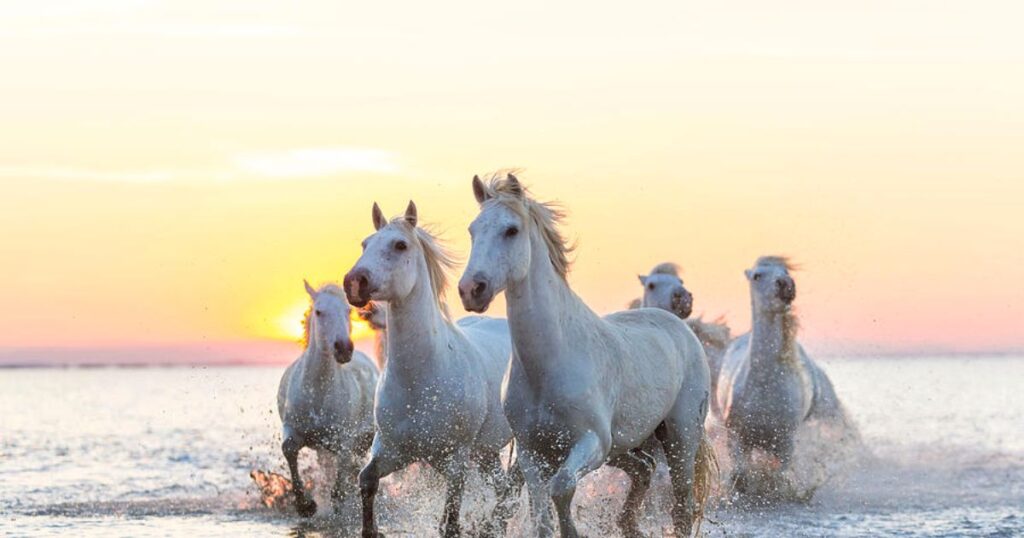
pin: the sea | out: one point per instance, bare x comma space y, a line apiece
168, 451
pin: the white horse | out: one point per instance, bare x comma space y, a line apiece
439, 399
325, 399
583, 390
664, 289
768, 385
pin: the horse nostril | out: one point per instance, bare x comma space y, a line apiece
478, 289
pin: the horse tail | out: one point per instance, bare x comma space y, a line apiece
705, 478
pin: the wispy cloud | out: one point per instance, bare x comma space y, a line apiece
299, 163
313, 162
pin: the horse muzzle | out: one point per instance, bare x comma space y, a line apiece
785, 290
343, 351
682, 304
357, 287
476, 294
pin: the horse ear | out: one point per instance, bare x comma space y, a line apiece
514, 185
378, 217
747, 273
309, 289
643, 279
410, 214
479, 191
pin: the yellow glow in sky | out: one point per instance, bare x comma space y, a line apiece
171, 171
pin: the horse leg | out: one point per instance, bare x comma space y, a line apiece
639, 465
506, 487
453, 468
585, 456
381, 464
304, 503
540, 497
681, 435
345, 480
738, 479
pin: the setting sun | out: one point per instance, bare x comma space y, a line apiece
288, 325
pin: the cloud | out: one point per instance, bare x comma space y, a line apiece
299, 163
313, 162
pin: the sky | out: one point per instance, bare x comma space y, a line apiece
171, 171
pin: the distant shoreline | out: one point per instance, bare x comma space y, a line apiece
1007, 355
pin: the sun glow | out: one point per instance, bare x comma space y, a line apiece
288, 324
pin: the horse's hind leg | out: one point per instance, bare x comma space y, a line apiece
639, 465
681, 435
304, 503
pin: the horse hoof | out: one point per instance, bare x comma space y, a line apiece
372, 534
305, 506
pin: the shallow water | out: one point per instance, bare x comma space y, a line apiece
167, 452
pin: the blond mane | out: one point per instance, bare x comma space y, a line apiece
332, 289
436, 255
779, 261
667, 268
547, 216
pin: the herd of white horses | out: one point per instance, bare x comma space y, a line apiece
565, 389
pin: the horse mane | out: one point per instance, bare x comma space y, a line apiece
438, 258
667, 268
778, 261
330, 288
715, 334
547, 216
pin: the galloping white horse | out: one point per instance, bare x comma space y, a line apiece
325, 399
664, 289
769, 386
583, 390
439, 399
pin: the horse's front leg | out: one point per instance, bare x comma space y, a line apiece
453, 468
585, 456
382, 463
536, 477
304, 503
506, 488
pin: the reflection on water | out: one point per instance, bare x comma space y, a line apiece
157, 452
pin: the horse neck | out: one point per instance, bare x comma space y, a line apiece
541, 309
318, 366
772, 341
416, 328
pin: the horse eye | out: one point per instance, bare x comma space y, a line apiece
757, 276
401, 245
318, 312
511, 231
650, 286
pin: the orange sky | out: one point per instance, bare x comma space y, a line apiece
169, 172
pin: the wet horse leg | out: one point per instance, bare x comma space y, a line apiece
381, 464
585, 456
453, 469
304, 503
506, 487
639, 465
